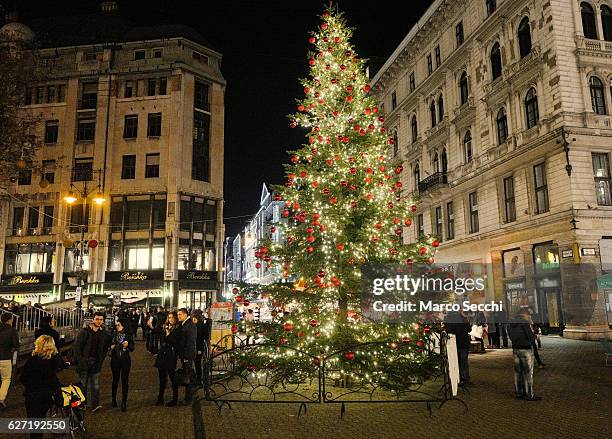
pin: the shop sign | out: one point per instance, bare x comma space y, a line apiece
29, 279
567, 253
548, 283
134, 276
587, 251
515, 285
198, 275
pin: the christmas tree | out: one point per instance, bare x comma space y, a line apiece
344, 207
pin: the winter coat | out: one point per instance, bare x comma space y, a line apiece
82, 346
118, 351
9, 341
458, 325
520, 333
188, 339
48, 330
167, 355
39, 376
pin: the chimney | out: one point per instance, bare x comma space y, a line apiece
108, 7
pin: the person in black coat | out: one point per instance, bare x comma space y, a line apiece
121, 346
457, 324
166, 357
198, 320
39, 378
46, 328
186, 351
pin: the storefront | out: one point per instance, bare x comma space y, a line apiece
137, 287
197, 289
547, 279
516, 294
34, 288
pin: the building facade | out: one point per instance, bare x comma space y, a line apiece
502, 112
126, 195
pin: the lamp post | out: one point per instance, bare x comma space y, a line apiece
74, 193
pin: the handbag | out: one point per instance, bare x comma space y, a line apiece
184, 376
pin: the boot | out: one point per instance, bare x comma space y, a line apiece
160, 400
114, 403
124, 405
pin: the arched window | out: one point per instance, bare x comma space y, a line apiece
598, 100
417, 176
606, 22
588, 20
502, 125
395, 144
464, 93
467, 146
531, 108
496, 62
414, 128
444, 160
524, 37
435, 164
440, 108
491, 6
432, 113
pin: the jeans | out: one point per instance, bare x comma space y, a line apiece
91, 375
6, 370
120, 368
523, 372
464, 366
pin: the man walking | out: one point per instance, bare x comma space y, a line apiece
9, 343
457, 324
522, 337
90, 348
186, 352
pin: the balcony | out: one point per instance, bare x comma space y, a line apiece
588, 45
436, 180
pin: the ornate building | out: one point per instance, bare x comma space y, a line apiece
126, 195
502, 112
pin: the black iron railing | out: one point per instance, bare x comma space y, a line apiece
434, 180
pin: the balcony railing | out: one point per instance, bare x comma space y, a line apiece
596, 45
433, 181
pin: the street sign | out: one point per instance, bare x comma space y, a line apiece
79, 294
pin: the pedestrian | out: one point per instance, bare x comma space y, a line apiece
151, 324
90, 348
9, 343
198, 321
536, 344
492, 331
145, 329
186, 353
167, 356
47, 323
522, 337
39, 378
457, 324
121, 346
135, 321
158, 329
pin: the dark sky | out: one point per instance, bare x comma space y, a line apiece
264, 46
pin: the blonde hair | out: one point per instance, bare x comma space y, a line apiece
44, 346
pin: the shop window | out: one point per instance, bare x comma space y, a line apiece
29, 258
545, 257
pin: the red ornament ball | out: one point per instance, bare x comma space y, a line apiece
310, 249
420, 343
339, 246
313, 323
413, 208
349, 355
288, 326
311, 61
247, 302
422, 251
238, 299
234, 329
258, 265
311, 40
435, 243
324, 26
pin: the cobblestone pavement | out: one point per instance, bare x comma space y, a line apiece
576, 390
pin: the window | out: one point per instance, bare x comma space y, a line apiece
29, 258
40, 95
201, 98
467, 146
464, 93
450, 221
412, 82
89, 96
393, 100
25, 177
139, 54
51, 94
48, 220
588, 21
435, 163
154, 124
51, 131
157, 53
541, 188
491, 6
438, 57
439, 222
163, 85
138, 215
509, 203
432, 113
601, 174
420, 226
502, 126
524, 37
395, 144
414, 128
61, 93
444, 160
151, 86
48, 169
429, 65
86, 130
606, 22
152, 166
33, 214
129, 89
130, 126
459, 33
473, 204
82, 169
18, 215
496, 62
598, 100
128, 167
27, 96
139, 256
440, 108
531, 108
417, 176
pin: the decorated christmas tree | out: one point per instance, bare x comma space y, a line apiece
345, 207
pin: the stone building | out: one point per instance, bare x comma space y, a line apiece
502, 112
127, 192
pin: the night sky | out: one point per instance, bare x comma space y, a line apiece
264, 46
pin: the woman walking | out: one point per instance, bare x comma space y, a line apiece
122, 345
39, 378
166, 357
